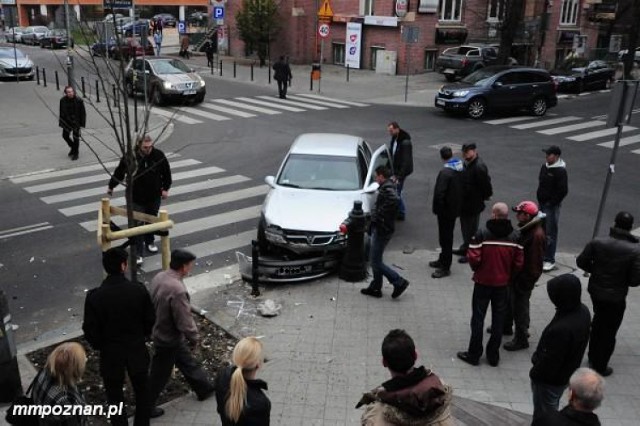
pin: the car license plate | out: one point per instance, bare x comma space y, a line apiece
440, 102
189, 92
449, 71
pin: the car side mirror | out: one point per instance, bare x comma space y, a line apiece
271, 181
371, 188
497, 84
147, 72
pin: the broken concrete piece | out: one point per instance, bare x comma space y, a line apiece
269, 308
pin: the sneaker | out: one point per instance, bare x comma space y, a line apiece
467, 358
441, 273
493, 361
435, 264
548, 266
507, 332
463, 259
459, 252
152, 248
371, 292
139, 260
156, 412
515, 345
399, 289
74, 157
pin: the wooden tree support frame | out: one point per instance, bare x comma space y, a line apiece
105, 235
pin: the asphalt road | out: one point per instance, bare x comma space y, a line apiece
46, 273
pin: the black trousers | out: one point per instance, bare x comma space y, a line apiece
607, 317
282, 88
518, 312
468, 227
150, 208
162, 364
446, 225
74, 143
482, 296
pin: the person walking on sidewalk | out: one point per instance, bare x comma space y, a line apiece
175, 333
447, 201
413, 395
239, 395
614, 265
184, 46
552, 189
476, 189
157, 38
495, 257
282, 75
151, 184
532, 240
72, 118
118, 318
561, 346
209, 49
383, 219
402, 160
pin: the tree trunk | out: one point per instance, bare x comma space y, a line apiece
512, 18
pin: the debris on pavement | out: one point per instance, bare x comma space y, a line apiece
269, 308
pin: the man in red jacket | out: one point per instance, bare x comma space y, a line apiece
495, 256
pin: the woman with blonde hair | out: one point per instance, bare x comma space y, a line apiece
241, 401
56, 384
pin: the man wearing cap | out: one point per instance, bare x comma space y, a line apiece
476, 187
552, 188
532, 240
402, 159
614, 265
175, 332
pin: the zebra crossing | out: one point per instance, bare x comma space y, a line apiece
215, 211
249, 107
573, 128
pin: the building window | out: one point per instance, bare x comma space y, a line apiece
495, 11
450, 10
430, 56
374, 55
569, 12
338, 53
366, 6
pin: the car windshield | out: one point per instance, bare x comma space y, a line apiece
172, 66
9, 53
479, 77
323, 172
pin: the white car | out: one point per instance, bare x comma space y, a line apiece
314, 191
14, 35
33, 34
14, 62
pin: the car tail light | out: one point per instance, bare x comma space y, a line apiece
343, 228
465, 62
555, 85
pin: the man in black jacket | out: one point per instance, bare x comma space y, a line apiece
282, 75
383, 219
151, 183
72, 117
561, 346
447, 201
552, 189
118, 318
402, 159
476, 189
614, 265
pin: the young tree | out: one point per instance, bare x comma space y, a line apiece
512, 12
258, 23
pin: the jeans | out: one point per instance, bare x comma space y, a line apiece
546, 398
151, 208
401, 207
74, 143
551, 229
468, 227
482, 296
158, 45
379, 269
445, 237
607, 317
518, 312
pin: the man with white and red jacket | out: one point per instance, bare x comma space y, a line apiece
495, 256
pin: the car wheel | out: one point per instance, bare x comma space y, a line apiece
450, 77
477, 108
199, 99
156, 97
539, 107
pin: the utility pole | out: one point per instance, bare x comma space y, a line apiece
70, 79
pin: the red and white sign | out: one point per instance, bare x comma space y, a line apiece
324, 30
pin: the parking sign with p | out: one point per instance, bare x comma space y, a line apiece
218, 12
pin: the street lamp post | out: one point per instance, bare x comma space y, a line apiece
70, 79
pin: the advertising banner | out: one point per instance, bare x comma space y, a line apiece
353, 45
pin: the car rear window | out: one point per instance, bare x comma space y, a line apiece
322, 172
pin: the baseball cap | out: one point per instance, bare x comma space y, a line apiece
528, 207
467, 147
553, 149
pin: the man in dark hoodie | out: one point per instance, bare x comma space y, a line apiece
614, 265
561, 346
447, 200
72, 117
402, 159
532, 240
552, 188
383, 219
495, 257
413, 396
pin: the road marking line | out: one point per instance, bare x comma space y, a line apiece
215, 221
322, 103
509, 120
173, 116
245, 106
210, 116
231, 111
624, 141
324, 98
571, 128
564, 96
600, 133
270, 104
22, 230
543, 123
292, 103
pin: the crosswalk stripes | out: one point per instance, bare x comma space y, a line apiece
571, 128
543, 123
623, 141
230, 111
245, 106
600, 133
215, 212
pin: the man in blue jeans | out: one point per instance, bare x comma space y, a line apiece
383, 218
552, 189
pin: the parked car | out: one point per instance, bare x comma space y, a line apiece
463, 60
13, 62
623, 53
168, 20
137, 28
101, 48
198, 19
499, 87
14, 34
109, 17
33, 34
578, 75
164, 79
55, 38
121, 22
130, 47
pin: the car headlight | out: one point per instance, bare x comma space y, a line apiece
275, 235
201, 82
460, 93
167, 85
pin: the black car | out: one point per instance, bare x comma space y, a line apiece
579, 75
168, 20
54, 39
499, 87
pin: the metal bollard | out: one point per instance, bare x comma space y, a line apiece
252, 72
255, 258
38, 75
113, 87
97, 92
84, 93
234, 69
347, 72
311, 82
220, 68
354, 267
44, 77
57, 80
10, 385
212, 67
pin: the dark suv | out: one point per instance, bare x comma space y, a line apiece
500, 88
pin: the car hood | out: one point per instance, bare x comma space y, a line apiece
457, 86
179, 78
309, 210
11, 63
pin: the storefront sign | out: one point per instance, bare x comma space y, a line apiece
353, 45
451, 35
428, 6
402, 6
8, 2
566, 37
381, 21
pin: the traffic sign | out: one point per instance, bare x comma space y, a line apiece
218, 12
182, 27
325, 10
324, 30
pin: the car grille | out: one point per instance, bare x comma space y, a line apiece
445, 94
186, 86
310, 238
21, 70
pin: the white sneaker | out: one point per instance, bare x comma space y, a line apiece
139, 260
152, 248
548, 266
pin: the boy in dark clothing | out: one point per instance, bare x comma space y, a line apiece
72, 117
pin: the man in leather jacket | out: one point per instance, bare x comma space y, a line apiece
402, 157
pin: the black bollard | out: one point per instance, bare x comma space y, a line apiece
220, 68
57, 80
354, 267
347, 72
234, 69
97, 92
311, 81
211, 66
255, 259
38, 75
113, 87
10, 385
252, 72
44, 77
84, 93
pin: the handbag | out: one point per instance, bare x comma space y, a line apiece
27, 416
